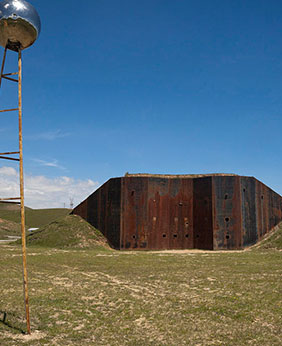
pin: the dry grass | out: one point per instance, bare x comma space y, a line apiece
94, 297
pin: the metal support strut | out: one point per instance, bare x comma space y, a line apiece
20, 160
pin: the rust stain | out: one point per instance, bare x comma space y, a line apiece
148, 212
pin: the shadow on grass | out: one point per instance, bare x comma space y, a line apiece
11, 321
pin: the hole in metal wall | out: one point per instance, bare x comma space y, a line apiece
227, 219
226, 196
186, 235
244, 190
227, 237
132, 193
175, 236
164, 235
261, 197
134, 236
197, 236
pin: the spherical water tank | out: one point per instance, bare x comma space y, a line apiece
19, 24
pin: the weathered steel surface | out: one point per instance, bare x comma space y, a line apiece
202, 206
248, 209
102, 210
206, 212
226, 213
134, 213
157, 213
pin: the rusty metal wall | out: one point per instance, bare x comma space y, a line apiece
134, 213
81, 209
157, 213
261, 210
102, 210
275, 208
248, 209
213, 212
202, 213
227, 216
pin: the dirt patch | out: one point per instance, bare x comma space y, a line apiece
35, 335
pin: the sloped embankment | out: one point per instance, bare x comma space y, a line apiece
68, 232
9, 229
272, 241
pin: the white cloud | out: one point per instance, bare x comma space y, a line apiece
10, 171
53, 163
48, 136
44, 192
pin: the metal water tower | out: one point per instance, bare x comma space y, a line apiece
19, 28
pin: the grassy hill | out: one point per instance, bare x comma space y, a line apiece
8, 229
67, 232
35, 218
272, 241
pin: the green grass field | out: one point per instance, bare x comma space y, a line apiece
100, 296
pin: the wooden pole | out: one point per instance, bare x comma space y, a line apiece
25, 285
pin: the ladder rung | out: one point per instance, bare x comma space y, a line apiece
10, 153
9, 158
11, 79
10, 199
9, 74
10, 202
9, 110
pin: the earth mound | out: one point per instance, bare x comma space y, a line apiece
68, 232
9, 230
34, 218
272, 241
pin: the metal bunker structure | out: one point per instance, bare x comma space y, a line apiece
153, 212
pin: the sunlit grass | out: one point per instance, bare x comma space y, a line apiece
94, 297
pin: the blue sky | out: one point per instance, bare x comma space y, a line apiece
152, 86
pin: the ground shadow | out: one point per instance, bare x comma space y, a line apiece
11, 321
